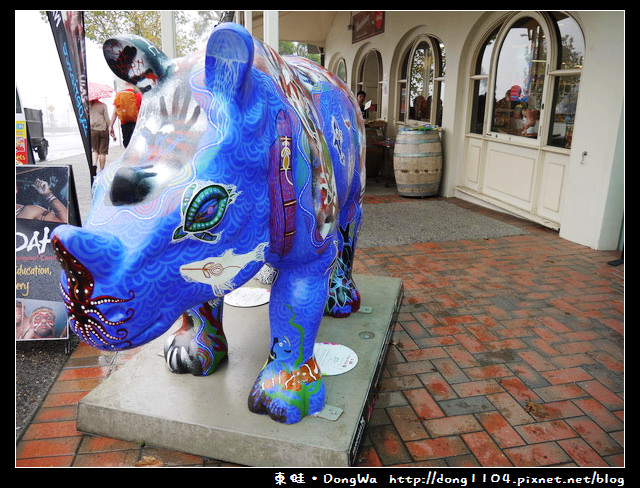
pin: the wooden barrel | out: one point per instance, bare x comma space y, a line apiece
417, 162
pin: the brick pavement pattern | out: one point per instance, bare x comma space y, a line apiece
506, 352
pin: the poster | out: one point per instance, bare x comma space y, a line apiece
22, 148
23, 145
45, 198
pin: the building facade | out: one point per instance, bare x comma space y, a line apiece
531, 104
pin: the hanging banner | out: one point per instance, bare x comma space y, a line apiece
67, 27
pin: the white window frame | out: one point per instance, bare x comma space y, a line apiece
437, 48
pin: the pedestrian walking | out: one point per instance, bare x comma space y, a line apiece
127, 104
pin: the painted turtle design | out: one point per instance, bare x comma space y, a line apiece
203, 206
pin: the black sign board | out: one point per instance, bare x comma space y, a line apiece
45, 198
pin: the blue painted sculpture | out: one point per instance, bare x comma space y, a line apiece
239, 158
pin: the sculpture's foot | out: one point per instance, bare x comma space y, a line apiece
343, 298
288, 395
199, 346
184, 354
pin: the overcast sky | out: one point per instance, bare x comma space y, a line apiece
39, 75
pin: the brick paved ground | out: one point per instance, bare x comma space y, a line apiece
507, 352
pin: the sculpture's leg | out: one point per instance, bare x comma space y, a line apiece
343, 298
200, 345
290, 386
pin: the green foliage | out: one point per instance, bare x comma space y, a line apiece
192, 29
191, 26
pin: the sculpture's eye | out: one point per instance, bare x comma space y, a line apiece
203, 207
208, 207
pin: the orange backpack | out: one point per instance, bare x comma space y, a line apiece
126, 107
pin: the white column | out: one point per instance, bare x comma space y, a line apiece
168, 30
248, 20
271, 28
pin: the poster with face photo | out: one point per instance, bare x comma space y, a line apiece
40, 319
45, 198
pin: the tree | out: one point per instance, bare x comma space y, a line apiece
99, 25
191, 26
297, 49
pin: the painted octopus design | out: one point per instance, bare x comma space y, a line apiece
85, 316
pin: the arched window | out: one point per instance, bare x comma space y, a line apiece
370, 82
341, 70
529, 65
422, 81
519, 80
480, 79
565, 77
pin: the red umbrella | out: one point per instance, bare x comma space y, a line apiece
99, 90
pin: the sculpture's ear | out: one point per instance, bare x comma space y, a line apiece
136, 60
229, 58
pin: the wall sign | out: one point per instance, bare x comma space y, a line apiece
367, 24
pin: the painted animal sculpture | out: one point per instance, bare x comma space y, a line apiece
239, 158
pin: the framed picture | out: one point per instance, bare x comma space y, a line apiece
367, 24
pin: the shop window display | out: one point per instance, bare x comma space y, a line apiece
520, 77
529, 66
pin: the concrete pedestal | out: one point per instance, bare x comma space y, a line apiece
208, 416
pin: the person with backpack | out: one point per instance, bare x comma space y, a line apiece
127, 104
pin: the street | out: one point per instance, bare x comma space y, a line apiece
63, 145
